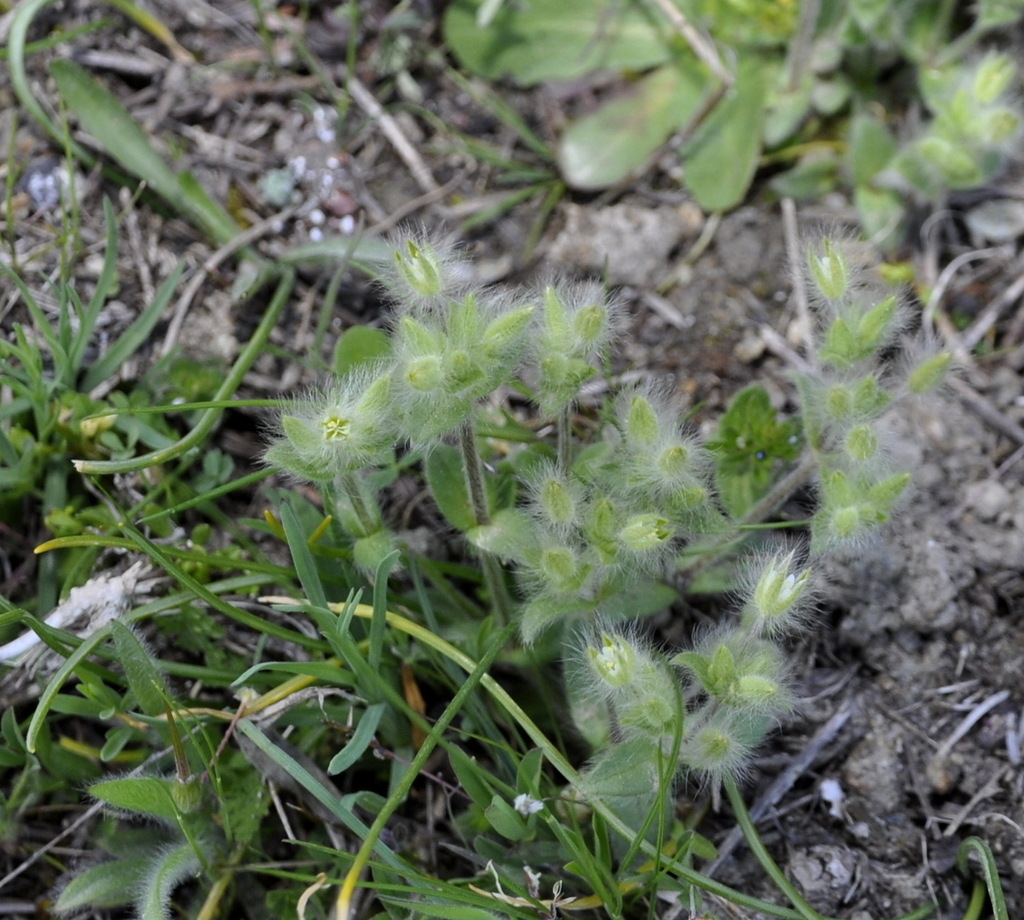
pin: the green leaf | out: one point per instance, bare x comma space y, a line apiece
168, 869
446, 910
443, 469
749, 443
506, 820
811, 178
871, 148
625, 778
534, 42
358, 346
106, 119
360, 740
109, 884
626, 131
720, 162
145, 681
136, 335
147, 795
470, 776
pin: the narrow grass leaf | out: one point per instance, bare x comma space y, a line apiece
105, 286
305, 566
446, 910
378, 624
326, 796
107, 120
46, 698
360, 740
198, 204
136, 335
39, 318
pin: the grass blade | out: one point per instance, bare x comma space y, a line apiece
135, 335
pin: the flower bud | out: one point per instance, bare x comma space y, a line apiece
929, 373
776, 598
643, 533
830, 272
993, 77
557, 501
187, 794
861, 443
637, 684
562, 569
425, 373
421, 269
721, 745
641, 422
613, 661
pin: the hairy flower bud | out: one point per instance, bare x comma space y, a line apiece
779, 596
830, 271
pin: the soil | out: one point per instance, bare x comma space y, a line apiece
920, 647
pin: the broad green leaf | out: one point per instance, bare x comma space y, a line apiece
145, 681
749, 443
360, 345
787, 110
721, 161
626, 131
811, 178
147, 795
881, 214
871, 148
537, 41
506, 820
109, 884
443, 468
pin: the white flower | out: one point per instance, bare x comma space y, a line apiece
525, 804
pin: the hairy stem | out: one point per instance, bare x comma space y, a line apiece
565, 438
473, 468
367, 519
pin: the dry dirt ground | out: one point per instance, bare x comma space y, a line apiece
913, 681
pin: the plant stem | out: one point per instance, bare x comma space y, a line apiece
759, 850
473, 468
757, 846
367, 520
564, 428
785, 487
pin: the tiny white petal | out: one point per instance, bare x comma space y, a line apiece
527, 805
